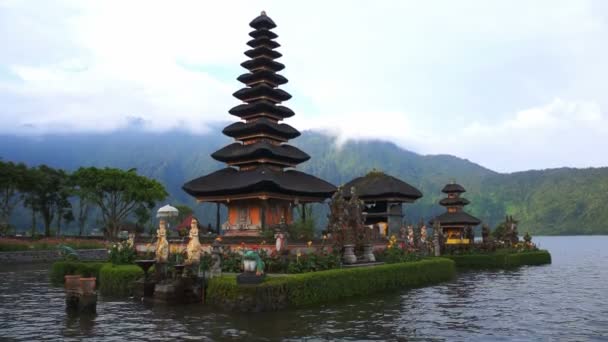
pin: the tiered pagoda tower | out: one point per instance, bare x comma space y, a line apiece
260, 185
455, 221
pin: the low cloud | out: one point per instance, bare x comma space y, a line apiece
447, 78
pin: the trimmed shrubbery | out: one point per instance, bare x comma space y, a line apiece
320, 287
118, 280
112, 280
60, 269
501, 260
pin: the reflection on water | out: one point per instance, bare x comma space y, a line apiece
565, 300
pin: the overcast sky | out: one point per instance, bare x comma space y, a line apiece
511, 85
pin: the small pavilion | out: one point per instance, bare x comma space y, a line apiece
260, 185
455, 221
383, 196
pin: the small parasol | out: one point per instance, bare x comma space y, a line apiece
167, 211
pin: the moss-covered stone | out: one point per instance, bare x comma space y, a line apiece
320, 287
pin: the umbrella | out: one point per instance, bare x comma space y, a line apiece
167, 211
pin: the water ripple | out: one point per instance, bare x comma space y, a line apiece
567, 300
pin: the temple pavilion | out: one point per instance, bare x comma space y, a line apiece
455, 221
260, 185
383, 196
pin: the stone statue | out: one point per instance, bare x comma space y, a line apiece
423, 235
336, 219
468, 234
437, 238
216, 258
131, 241
359, 234
402, 233
193, 250
514, 233
281, 241
485, 233
410, 235
162, 245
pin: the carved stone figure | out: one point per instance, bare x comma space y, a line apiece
162, 245
514, 233
485, 233
336, 219
359, 233
193, 249
402, 233
281, 241
423, 235
410, 235
468, 234
131, 240
216, 258
437, 238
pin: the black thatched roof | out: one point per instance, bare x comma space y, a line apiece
260, 107
454, 201
263, 41
263, 33
452, 188
261, 126
237, 152
263, 62
230, 181
262, 90
378, 185
262, 22
266, 76
457, 218
262, 51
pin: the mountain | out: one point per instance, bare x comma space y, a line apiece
555, 201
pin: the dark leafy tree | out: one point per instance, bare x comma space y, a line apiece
184, 211
46, 193
119, 194
11, 183
83, 202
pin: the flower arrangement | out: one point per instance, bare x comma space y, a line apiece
397, 252
122, 253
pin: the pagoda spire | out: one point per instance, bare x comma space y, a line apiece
260, 138
259, 186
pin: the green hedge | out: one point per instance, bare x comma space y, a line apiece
86, 269
501, 260
319, 287
118, 280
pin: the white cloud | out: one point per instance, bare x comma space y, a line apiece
434, 77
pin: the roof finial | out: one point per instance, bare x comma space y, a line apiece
263, 13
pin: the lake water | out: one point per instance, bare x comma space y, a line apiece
567, 300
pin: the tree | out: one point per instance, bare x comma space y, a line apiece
184, 211
11, 183
84, 201
47, 193
119, 194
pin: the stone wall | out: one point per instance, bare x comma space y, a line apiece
25, 257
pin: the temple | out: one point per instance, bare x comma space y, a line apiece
260, 185
383, 196
455, 222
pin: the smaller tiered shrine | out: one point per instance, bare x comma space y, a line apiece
456, 225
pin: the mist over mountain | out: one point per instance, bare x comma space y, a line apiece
553, 201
